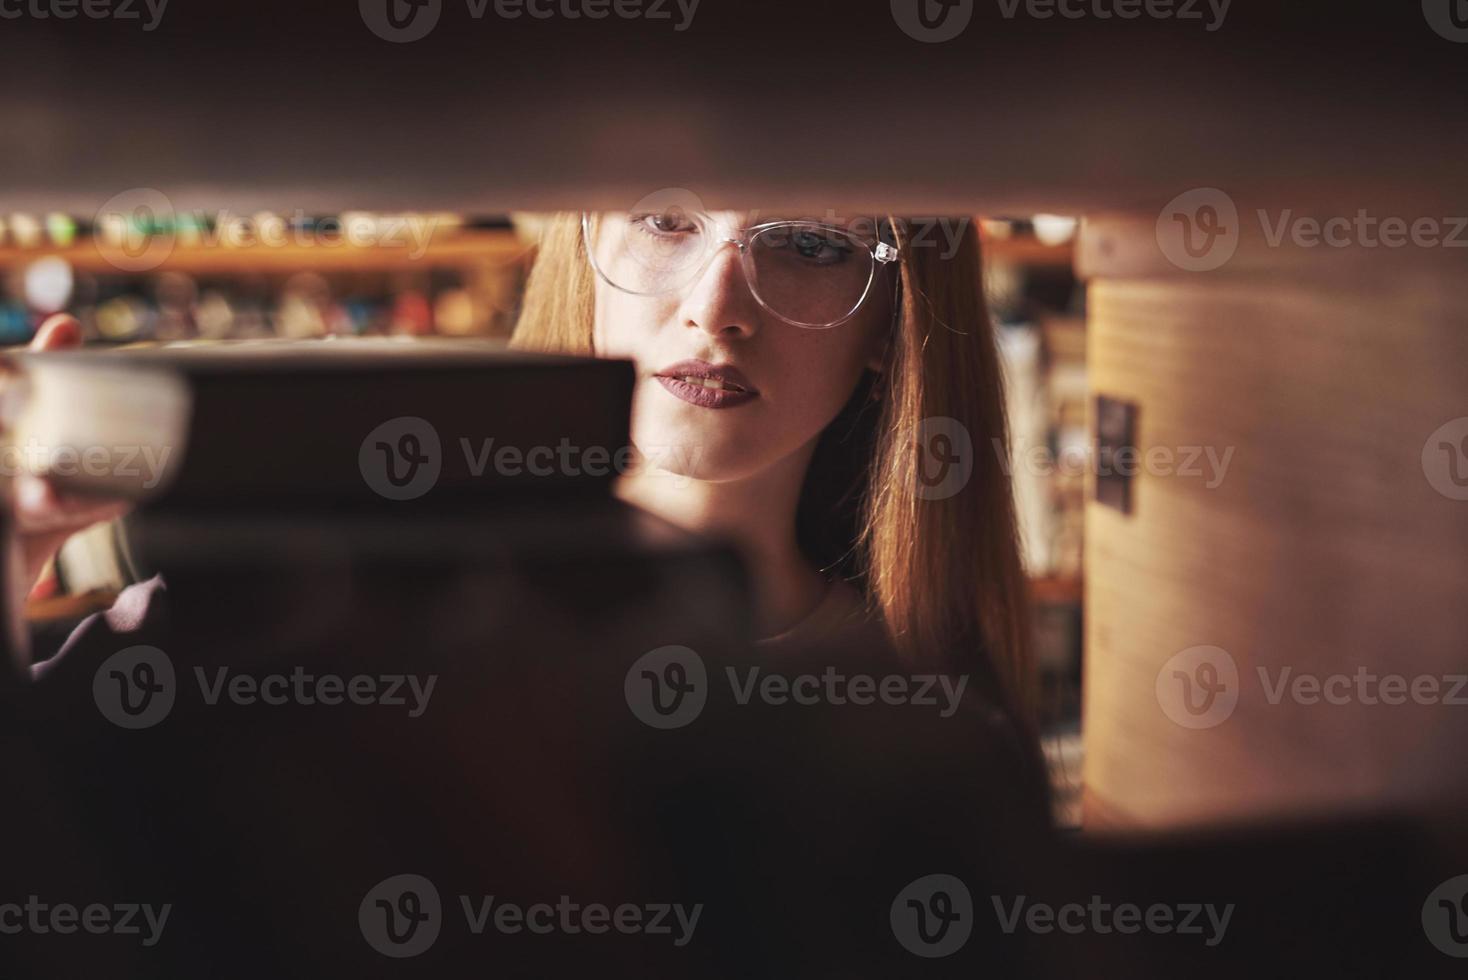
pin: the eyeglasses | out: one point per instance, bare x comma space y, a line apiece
807, 273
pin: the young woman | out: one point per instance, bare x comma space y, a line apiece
804, 389
825, 394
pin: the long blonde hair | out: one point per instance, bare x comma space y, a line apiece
944, 572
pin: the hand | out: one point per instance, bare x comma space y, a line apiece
44, 517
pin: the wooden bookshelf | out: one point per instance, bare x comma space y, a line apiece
498, 247
1027, 250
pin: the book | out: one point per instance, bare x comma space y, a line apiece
252, 425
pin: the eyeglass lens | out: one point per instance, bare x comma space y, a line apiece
808, 273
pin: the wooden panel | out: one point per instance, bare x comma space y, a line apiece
1324, 547
283, 104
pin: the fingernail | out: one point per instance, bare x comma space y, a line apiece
59, 330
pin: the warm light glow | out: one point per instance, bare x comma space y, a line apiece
48, 284
1054, 229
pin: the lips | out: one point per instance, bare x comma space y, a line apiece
707, 385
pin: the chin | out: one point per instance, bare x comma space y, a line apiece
701, 452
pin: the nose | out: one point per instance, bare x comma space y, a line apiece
720, 302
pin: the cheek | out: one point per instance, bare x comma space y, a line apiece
625, 326
828, 363
817, 372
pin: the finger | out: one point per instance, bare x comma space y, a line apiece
58, 332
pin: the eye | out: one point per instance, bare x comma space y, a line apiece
674, 221
818, 245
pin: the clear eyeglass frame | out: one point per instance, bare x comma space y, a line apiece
881, 253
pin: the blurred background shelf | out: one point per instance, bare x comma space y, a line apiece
264, 276
1028, 250
497, 247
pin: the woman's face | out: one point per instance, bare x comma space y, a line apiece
725, 388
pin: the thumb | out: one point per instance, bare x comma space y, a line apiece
58, 332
